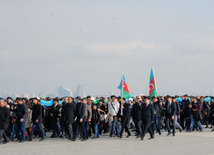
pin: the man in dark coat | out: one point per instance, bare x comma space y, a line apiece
147, 116
55, 114
21, 114
37, 119
170, 111
69, 115
80, 122
4, 121
123, 114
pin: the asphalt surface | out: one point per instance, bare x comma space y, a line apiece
195, 143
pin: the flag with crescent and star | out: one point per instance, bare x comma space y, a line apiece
124, 88
152, 85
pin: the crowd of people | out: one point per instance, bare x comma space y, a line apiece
71, 118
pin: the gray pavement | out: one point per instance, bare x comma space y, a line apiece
195, 143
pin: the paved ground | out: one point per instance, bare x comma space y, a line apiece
197, 143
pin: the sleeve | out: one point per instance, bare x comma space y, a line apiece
152, 112
179, 108
83, 111
25, 112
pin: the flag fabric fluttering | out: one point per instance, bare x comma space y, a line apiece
124, 88
152, 85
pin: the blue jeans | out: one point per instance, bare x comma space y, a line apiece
14, 130
80, 126
193, 123
40, 127
115, 126
56, 127
176, 122
21, 132
96, 132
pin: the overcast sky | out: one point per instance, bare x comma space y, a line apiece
48, 43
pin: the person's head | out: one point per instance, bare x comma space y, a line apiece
185, 97
94, 107
89, 102
174, 99
66, 99
19, 101
202, 98
123, 100
130, 101
194, 100
78, 99
101, 102
9, 99
113, 98
88, 98
70, 99
146, 100
154, 99
84, 101
35, 100
56, 102
169, 99
2, 103
212, 99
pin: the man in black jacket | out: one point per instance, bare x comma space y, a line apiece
37, 119
21, 114
170, 110
157, 112
55, 114
62, 118
147, 115
4, 121
80, 122
69, 115
123, 114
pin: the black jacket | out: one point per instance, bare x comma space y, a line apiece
69, 112
80, 110
37, 112
125, 112
95, 116
136, 112
21, 111
63, 108
147, 112
157, 107
4, 117
55, 111
170, 109
178, 111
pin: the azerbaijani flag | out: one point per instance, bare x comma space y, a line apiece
124, 88
152, 85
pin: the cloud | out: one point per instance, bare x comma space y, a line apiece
125, 47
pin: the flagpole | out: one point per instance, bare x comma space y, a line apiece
122, 85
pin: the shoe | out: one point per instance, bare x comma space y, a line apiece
110, 135
42, 139
141, 138
169, 134
173, 134
73, 140
138, 136
21, 141
53, 136
5, 142
84, 139
30, 139
128, 136
151, 138
120, 136
180, 130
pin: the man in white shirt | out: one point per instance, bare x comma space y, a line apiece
113, 108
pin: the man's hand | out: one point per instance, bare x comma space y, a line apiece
37, 121
22, 120
179, 116
173, 117
81, 120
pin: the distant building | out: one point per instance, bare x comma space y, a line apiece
64, 92
80, 91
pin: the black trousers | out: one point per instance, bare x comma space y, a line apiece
125, 125
3, 135
170, 122
70, 129
146, 124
